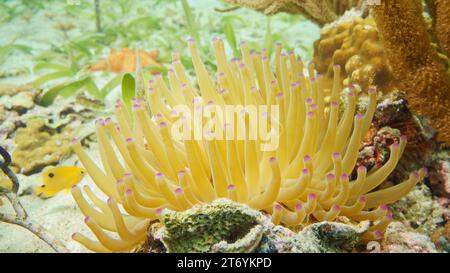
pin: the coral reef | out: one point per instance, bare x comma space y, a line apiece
320, 11
304, 180
353, 43
414, 62
124, 60
39, 146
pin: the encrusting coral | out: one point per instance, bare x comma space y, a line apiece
353, 43
303, 181
414, 62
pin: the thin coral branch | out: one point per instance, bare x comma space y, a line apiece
20, 217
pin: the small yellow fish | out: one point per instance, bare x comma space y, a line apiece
56, 179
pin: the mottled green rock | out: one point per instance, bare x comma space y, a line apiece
225, 226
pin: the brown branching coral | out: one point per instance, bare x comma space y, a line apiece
440, 12
414, 63
320, 11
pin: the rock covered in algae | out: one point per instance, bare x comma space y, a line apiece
401, 240
39, 146
225, 226
419, 210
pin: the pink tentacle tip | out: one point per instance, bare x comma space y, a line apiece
179, 191
336, 207
307, 158
110, 200
362, 168
310, 114
159, 211
159, 175
231, 187
337, 66
313, 79
362, 198
384, 207
314, 106
136, 106
181, 173
378, 234
344, 176
280, 95
372, 89
87, 219
128, 174
389, 217
415, 174
298, 207
74, 187
312, 196
359, 116
336, 155
331, 176
424, 170
273, 159
309, 100
128, 192
118, 182
305, 171
403, 138
129, 139
395, 145
162, 124
74, 140
334, 104
278, 207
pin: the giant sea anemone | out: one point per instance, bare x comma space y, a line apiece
304, 180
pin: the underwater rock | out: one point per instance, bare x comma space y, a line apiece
441, 238
225, 226
439, 177
418, 210
11, 90
400, 240
374, 151
415, 64
39, 146
328, 237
